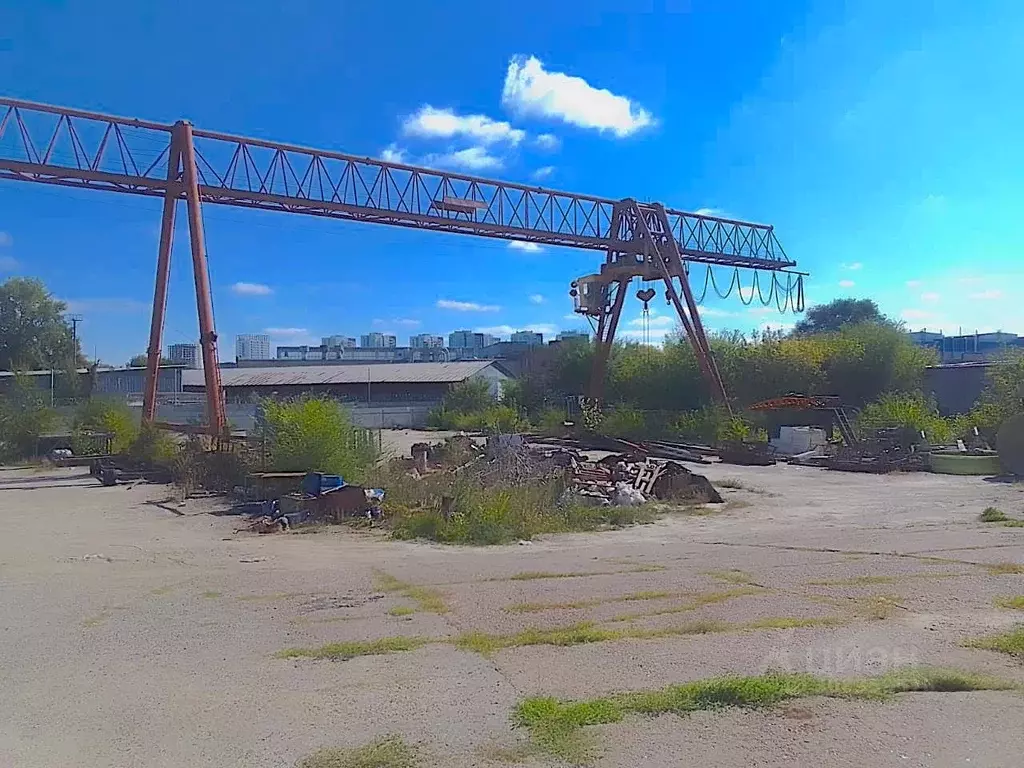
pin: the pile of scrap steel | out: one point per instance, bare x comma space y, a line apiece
659, 449
321, 498
626, 479
112, 470
890, 450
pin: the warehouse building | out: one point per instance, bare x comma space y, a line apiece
375, 384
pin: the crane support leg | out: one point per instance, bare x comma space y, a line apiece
215, 412
606, 327
163, 270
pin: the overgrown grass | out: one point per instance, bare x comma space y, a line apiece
557, 726
534, 575
427, 599
693, 602
1011, 642
1015, 603
731, 576
590, 603
992, 515
401, 610
389, 752
211, 594
1004, 569
867, 581
351, 649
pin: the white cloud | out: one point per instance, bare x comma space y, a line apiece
746, 294
6, 241
431, 122
466, 306
709, 212
543, 173
8, 264
656, 335
251, 289
403, 322
392, 153
716, 312
992, 293
524, 245
777, 325
547, 329
846, 283
106, 306
470, 159
286, 332
853, 267
914, 283
656, 321
930, 296
970, 280
548, 141
915, 314
536, 298
761, 310
531, 90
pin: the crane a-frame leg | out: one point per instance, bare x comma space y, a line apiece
183, 178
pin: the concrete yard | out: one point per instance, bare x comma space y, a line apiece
137, 634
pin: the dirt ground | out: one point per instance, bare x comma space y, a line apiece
144, 634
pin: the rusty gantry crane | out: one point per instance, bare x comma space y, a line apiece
69, 147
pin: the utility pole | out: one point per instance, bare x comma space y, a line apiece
74, 320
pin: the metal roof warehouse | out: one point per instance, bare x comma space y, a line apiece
381, 382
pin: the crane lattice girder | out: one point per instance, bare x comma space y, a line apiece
56, 145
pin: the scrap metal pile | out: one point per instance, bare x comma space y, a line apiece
625, 478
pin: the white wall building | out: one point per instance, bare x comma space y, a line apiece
426, 341
252, 346
376, 339
185, 354
336, 342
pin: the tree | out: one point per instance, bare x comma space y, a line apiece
33, 334
828, 318
23, 417
139, 361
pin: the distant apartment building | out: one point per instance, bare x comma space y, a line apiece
301, 354
376, 340
530, 338
335, 342
426, 341
252, 346
184, 354
469, 340
572, 335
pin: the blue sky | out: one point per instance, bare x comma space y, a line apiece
881, 139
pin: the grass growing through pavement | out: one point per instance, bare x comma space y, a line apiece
694, 601
1015, 603
427, 599
351, 649
557, 727
389, 752
590, 603
1004, 569
1011, 642
401, 610
731, 576
534, 575
994, 515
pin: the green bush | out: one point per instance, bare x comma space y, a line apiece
106, 415
912, 411
153, 446
24, 416
314, 434
624, 421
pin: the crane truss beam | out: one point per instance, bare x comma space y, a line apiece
56, 145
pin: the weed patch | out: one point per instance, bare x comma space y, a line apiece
390, 752
1004, 569
632, 597
401, 610
992, 515
557, 726
533, 575
1015, 603
694, 601
349, 650
1011, 642
731, 576
210, 594
427, 599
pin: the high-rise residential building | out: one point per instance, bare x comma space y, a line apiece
426, 341
573, 335
338, 342
469, 340
531, 338
375, 339
184, 354
252, 346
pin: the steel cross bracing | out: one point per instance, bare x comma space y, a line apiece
63, 146
74, 148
